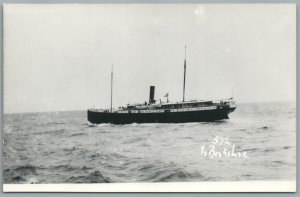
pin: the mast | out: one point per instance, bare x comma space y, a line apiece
184, 72
111, 86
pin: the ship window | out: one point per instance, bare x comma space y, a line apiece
200, 104
186, 105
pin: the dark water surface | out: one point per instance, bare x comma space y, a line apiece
60, 147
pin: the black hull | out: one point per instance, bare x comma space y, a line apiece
166, 117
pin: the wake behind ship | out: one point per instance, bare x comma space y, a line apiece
164, 112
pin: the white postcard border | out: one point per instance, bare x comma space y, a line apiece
238, 186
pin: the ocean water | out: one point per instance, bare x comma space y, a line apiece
61, 147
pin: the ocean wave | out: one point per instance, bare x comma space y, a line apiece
161, 172
134, 140
249, 149
63, 168
94, 177
99, 125
175, 176
264, 127
32, 180
18, 179
146, 167
108, 159
172, 175
246, 175
78, 134
26, 168
20, 174
286, 147
93, 156
104, 125
67, 168
56, 123
278, 162
91, 124
186, 137
216, 178
23, 180
267, 150
114, 167
51, 131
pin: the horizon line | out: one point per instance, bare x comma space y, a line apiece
77, 110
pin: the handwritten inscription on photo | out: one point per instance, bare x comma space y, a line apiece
221, 147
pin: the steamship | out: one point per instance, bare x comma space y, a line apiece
164, 112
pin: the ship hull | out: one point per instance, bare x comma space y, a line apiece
96, 117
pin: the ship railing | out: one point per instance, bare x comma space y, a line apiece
99, 110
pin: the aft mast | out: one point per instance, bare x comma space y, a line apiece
184, 72
111, 87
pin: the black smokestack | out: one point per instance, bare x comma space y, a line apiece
151, 96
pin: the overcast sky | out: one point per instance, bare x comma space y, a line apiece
59, 57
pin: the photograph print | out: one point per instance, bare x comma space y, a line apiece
149, 97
